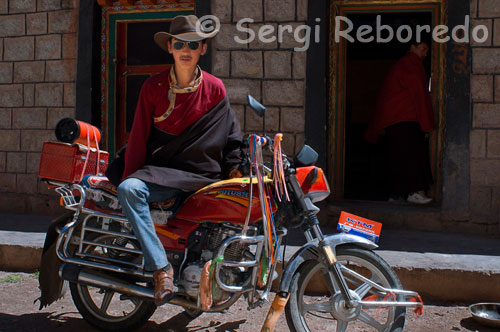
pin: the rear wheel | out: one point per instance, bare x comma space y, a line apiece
111, 311
104, 308
316, 304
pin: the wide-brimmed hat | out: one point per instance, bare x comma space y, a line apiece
186, 28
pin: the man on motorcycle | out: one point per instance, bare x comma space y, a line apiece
184, 137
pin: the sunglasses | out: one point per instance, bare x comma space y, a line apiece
179, 45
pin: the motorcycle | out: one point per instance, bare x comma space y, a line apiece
224, 242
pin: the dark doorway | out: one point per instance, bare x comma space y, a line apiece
366, 67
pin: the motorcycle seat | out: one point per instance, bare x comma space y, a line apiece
102, 183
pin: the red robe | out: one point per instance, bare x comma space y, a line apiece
154, 101
404, 97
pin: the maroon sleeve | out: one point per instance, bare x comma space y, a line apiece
135, 154
416, 83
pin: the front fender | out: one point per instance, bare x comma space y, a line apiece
310, 251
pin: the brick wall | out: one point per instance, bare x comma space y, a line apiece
38, 47
485, 133
271, 72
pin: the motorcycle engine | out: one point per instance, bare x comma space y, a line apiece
207, 240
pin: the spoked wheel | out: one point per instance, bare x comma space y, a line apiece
106, 309
316, 303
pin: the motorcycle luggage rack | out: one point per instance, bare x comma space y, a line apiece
86, 229
67, 196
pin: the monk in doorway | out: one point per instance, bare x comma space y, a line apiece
404, 115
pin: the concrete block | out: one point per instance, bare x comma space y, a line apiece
32, 162
497, 89
482, 88
11, 95
302, 10
277, 64
222, 9
9, 257
29, 94
485, 172
48, 47
238, 89
29, 118
495, 202
486, 116
18, 49
49, 94
221, 63
63, 21
3, 161
12, 25
496, 32
246, 64
288, 144
290, 36
56, 114
60, 71
299, 142
16, 162
44, 5
292, 120
5, 118
473, 8
68, 4
32, 71
1, 48
285, 93
489, 24
5, 72
27, 183
493, 144
239, 111
22, 6
480, 199
7, 182
279, 10
32, 140
226, 38
299, 64
69, 46
478, 143
265, 36
254, 122
484, 60
489, 8
36, 24
247, 9
4, 7
69, 95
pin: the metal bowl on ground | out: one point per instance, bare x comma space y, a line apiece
486, 313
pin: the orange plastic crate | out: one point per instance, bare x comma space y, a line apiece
65, 162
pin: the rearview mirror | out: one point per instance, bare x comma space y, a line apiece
256, 106
306, 156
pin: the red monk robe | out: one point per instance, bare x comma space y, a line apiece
154, 103
404, 97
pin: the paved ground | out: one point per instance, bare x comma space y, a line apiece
18, 313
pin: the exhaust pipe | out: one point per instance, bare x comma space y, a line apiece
74, 273
77, 274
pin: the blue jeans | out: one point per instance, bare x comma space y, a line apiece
134, 196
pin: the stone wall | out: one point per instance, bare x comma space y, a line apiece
272, 72
38, 50
485, 133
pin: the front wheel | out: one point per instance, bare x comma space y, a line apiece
316, 303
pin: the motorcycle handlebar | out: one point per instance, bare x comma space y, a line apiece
264, 141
